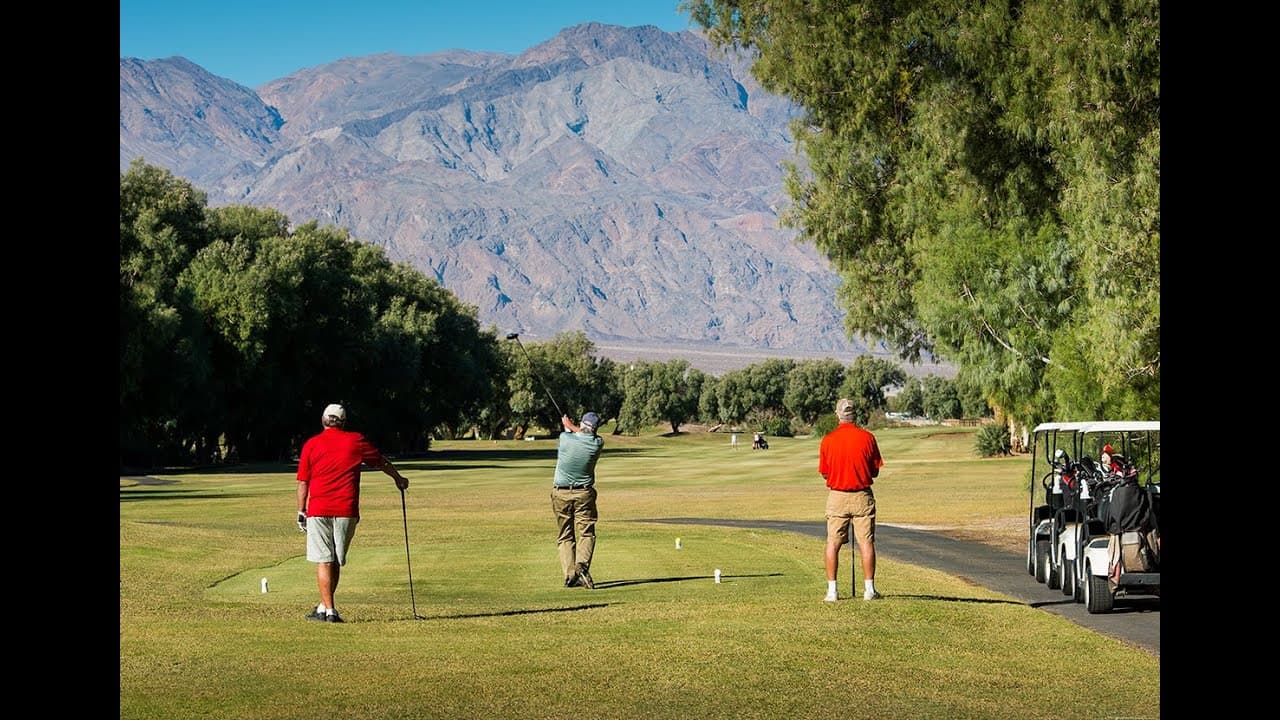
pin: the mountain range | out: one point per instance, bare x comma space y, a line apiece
622, 181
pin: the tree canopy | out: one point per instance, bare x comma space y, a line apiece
985, 177
235, 330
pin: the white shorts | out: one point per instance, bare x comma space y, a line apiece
329, 537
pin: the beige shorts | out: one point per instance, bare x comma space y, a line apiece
858, 507
329, 537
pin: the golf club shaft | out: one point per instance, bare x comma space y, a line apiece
853, 563
539, 377
405, 514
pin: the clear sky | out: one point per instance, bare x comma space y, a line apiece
255, 41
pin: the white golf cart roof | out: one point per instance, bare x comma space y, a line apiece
1042, 427
1120, 426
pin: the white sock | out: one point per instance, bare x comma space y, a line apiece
831, 587
869, 586
320, 609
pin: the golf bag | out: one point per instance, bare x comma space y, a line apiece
1134, 529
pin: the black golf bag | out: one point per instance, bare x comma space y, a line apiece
1131, 521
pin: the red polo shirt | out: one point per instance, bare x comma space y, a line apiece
849, 458
330, 463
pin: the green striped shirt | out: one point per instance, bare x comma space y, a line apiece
576, 459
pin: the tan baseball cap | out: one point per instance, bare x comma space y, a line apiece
844, 410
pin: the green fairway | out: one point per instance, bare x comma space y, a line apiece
657, 638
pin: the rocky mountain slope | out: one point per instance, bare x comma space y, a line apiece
625, 182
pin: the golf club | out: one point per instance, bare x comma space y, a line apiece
516, 337
853, 563
405, 513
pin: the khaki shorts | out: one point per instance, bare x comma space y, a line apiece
858, 506
329, 537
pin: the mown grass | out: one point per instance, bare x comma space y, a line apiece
657, 639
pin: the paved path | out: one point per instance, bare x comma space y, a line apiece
1135, 621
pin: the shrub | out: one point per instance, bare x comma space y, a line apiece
992, 440
777, 427
799, 427
877, 421
826, 423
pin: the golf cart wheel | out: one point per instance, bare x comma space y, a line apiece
1068, 577
1031, 557
1053, 580
1042, 561
1097, 592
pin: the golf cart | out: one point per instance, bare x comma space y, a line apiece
1118, 543
1055, 522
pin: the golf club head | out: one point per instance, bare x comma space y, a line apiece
513, 336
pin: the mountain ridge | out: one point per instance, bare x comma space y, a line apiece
626, 182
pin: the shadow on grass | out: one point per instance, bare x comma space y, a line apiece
128, 495
943, 598
623, 583
508, 613
144, 480
232, 469
431, 460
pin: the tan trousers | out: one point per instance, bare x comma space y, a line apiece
576, 521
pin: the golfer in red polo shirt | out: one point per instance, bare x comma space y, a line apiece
849, 459
329, 499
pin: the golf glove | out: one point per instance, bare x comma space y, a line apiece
302, 521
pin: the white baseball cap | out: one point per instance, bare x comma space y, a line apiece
335, 410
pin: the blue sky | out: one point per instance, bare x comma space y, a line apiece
253, 42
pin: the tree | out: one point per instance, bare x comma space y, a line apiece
732, 397
563, 371
164, 353
911, 399
708, 404
985, 177
660, 392
940, 398
235, 331
610, 377
766, 385
973, 402
813, 388
865, 382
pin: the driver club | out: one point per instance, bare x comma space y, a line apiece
516, 337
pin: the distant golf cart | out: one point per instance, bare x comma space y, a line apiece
1120, 541
1094, 535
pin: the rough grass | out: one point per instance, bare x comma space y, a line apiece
658, 638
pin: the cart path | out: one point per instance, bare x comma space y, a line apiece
1134, 621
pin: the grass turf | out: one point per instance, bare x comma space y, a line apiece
501, 637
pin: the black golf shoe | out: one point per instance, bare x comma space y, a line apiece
572, 581
584, 577
317, 615
334, 617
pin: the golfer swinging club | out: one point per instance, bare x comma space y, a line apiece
329, 499
573, 498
